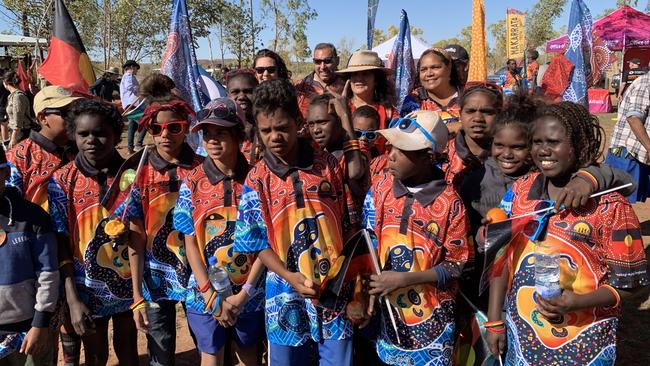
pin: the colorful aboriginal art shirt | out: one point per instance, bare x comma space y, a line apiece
418, 231
207, 209
598, 244
297, 211
32, 162
420, 100
82, 200
166, 270
461, 159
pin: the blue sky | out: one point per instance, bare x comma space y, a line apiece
440, 19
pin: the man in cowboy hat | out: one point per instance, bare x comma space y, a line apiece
106, 85
129, 90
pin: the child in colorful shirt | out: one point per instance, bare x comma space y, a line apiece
83, 196
599, 249
422, 243
158, 259
291, 214
206, 212
34, 160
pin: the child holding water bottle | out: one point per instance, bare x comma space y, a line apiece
222, 290
593, 256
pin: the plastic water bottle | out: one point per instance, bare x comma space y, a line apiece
219, 278
547, 275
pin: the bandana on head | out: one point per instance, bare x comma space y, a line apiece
178, 106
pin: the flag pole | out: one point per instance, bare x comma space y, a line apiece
592, 196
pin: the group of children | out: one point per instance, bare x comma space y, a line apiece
275, 206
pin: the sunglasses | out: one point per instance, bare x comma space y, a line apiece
409, 125
58, 111
174, 128
271, 69
326, 61
368, 135
220, 111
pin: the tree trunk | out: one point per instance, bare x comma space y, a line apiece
25, 24
222, 45
253, 32
277, 26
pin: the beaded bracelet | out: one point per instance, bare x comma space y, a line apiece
203, 289
64, 262
615, 293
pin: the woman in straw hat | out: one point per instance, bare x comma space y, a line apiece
439, 88
370, 84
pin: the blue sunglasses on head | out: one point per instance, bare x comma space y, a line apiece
410, 125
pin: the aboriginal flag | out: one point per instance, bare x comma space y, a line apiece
357, 258
67, 62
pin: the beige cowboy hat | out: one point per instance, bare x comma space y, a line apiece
113, 70
364, 60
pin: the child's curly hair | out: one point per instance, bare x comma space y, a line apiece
275, 94
520, 111
582, 128
107, 112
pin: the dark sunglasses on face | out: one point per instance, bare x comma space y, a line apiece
326, 61
245, 91
368, 135
271, 69
174, 128
57, 111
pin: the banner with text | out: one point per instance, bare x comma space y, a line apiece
515, 34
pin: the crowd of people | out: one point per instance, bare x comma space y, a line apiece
294, 172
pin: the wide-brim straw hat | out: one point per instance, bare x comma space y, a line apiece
113, 70
364, 60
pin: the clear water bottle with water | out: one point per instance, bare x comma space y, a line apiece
219, 278
547, 274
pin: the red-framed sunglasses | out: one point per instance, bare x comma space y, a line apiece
174, 127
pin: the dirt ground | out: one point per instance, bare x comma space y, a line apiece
633, 335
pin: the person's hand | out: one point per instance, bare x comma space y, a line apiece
555, 308
141, 320
80, 316
35, 342
228, 314
575, 194
496, 343
339, 104
304, 286
386, 282
370, 311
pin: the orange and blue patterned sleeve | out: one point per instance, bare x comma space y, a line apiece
57, 202
456, 243
135, 202
183, 220
250, 231
16, 178
624, 251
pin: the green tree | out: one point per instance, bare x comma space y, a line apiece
539, 21
290, 18
236, 27
496, 57
463, 38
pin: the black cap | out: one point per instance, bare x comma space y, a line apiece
457, 52
130, 63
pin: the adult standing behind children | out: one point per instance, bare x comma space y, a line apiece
18, 109
29, 280
323, 79
129, 91
439, 88
268, 65
369, 85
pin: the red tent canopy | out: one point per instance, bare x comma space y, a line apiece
625, 26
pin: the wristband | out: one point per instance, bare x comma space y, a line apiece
615, 293
64, 262
494, 324
496, 330
250, 289
588, 177
138, 304
210, 302
203, 289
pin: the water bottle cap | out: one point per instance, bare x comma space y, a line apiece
212, 261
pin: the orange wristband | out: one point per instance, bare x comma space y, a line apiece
615, 293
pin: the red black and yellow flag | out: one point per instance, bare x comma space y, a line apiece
67, 62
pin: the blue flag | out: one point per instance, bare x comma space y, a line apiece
179, 63
401, 61
372, 13
579, 52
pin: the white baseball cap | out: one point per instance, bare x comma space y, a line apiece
419, 130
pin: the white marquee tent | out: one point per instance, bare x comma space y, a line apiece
417, 46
